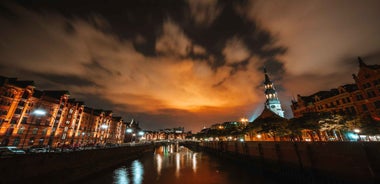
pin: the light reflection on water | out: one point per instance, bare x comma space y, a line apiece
173, 164
121, 176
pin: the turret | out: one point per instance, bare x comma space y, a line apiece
361, 63
272, 101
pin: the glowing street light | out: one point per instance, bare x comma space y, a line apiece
141, 133
356, 130
39, 112
244, 120
258, 136
104, 126
129, 130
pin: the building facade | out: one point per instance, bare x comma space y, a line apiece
361, 98
30, 117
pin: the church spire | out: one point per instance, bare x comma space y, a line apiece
361, 63
267, 80
272, 101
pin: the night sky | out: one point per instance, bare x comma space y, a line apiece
186, 63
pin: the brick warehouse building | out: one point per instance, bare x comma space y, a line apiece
32, 117
361, 98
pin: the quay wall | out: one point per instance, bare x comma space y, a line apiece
66, 167
313, 162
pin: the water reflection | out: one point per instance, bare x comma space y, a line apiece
121, 176
194, 159
176, 164
136, 171
159, 163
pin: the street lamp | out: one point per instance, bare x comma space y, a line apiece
103, 127
38, 113
357, 131
141, 133
129, 130
244, 120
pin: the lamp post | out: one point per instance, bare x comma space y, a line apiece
141, 135
104, 128
357, 131
244, 121
38, 113
129, 132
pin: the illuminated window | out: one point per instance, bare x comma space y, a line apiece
35, 130
21, 130
44, 131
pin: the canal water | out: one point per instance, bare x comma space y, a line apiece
175, 164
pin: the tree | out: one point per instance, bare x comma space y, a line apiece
369, 126
273, 126
295, 126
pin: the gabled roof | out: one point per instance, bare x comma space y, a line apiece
117, 118
37, 93
74, 101
23, 84
88, 109
57, 94
13, 81
350, 87
362, 64
267, 113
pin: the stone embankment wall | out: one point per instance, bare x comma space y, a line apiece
65, 167
327, 162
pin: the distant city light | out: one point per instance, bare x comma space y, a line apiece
258, 136
39, 112
353, 136
356, 130
141, 133
129, 130
244, 120
241, 140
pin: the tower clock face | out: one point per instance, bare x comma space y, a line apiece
272, 106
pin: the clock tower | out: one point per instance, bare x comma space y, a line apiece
272, 102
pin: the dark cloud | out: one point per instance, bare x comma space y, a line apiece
191, 63
66, 79
96, 66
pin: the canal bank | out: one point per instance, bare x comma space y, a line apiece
302, 162
66, 167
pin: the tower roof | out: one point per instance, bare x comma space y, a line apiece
362, 64
267, 80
